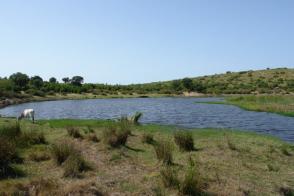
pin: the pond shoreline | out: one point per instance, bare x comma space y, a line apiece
16, 101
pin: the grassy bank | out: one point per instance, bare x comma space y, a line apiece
280, 104
102, 157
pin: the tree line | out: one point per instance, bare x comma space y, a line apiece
245, 82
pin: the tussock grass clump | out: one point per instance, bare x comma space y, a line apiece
10, 131
116, 136
74, 165
148, 138
92, 137
169, 177
39, 156
73, 162
230, 142
287, 191
164, 151
61, 151
192, 183
184, 140
32, 138
8, 155
286, 150
74, 132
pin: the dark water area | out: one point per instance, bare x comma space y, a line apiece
183, 112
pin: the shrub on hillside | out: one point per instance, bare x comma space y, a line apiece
184, 140
164, 151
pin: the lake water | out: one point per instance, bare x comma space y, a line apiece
168, 111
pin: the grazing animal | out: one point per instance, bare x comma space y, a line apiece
27, 113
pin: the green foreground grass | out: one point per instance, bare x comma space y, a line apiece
226, 162
280, 104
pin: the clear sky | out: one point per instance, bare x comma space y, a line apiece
136, 41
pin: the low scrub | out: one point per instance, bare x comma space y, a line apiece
116, 136
148, 138
184, 140
169, 177
74, 132
164, 151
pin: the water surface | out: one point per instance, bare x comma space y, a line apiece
168, 111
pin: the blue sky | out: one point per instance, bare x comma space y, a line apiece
137, 41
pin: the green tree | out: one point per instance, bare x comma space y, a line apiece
66, 80
36, 81
188, 84
20, 80
77, 80
53, 80
176, 85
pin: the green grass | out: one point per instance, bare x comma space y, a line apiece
225, 162
280, 104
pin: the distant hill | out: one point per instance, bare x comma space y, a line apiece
270, 81
278, 81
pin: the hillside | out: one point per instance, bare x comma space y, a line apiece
270, 81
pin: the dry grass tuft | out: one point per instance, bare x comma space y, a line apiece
74, 165
61, 151
74, 132
92, 137
116, 136
164, 151
39, 156
147, 138
184, 140
169, 177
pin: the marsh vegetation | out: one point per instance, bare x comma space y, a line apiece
140, 159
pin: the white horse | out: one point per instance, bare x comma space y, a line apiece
27, 113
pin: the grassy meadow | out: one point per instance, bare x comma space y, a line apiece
98, 157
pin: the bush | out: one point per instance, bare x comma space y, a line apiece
74, 132
184, 140
164, 151
116, 136
169, 177
61, 151
147, 138
74, 165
